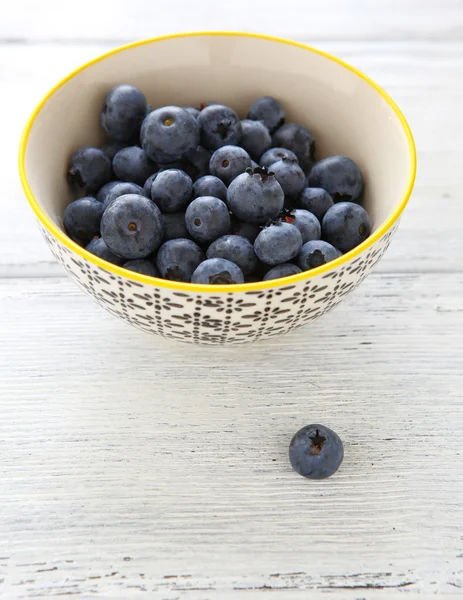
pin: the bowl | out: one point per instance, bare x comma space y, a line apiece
347, 112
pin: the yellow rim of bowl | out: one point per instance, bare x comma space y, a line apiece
193, 287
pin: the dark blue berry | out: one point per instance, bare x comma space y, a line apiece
197, 162
278, 243
169, 134
228, 162
255, 196
298, 139
172, 190
123, 111
82, 219
89, 169
237, 250
346, 225
112, 148
105, 189
316, 452
177, 259
256, 138
220, 126
217, 271
289, 175
132, 164
132, 226
247, 230
207, 218
339, 176
316, 201
194, 112
275, 154
142, 266
316, 253
208, 185
174, 226
268, 110
121, 189
98, 247
307, 223
148, 183
284, 270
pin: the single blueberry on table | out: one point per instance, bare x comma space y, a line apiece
228, 162
178, 259
307, 223
142, 266
247, 230
169, 134
132, 164
209, 185
256, 138
174, 226
98, 247
316, 452
316, 201
89, 169
289, 175
275, 154
316, 253
217, 271
82, 219
298, 139
283, 270
104, 190
207, 218
123, 111
220, 126
172, 190
121, 189
268, 110
346, 225
237, 250
277, 244
339, 176
255, 196
132, 226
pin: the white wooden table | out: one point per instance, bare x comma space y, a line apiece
134, 468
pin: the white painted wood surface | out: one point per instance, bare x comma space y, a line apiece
134, 468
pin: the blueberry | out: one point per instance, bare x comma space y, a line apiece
132, 226
194, 112
339, 176
148, 183
278, 243
255, 196
316, 201
237, 250
256, 138
112, 147
254, 165
172, 190
123, 111
82, 219
275, 154
316, 452
197, 162
217, 271
283, 270
228, 162
89, 169
143, 266
289, 175
98, 247
307, 223
168, 134
248, 230
298, 139
208, 185
220, 126
177, 259
132, 164
174, 226
121, 189
346, 225
268, 110
103, 191
207, 218
316, 253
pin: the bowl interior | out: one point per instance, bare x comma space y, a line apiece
346, 114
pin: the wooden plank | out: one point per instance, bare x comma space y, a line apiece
133, 465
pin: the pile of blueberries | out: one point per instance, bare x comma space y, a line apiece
198, 195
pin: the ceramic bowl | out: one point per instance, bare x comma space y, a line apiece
347, 112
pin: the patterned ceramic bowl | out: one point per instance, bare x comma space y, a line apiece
346, 111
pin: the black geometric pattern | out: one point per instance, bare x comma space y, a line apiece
218, 318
